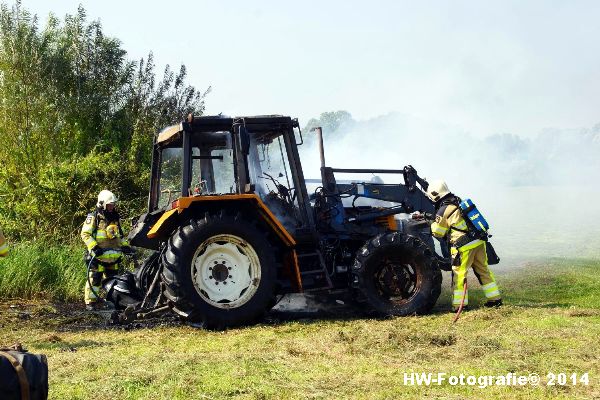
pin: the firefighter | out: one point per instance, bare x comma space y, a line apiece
466, 250
3, 245
105, 243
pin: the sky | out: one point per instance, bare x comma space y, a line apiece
480, 67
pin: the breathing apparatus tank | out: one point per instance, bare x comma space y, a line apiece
473, 216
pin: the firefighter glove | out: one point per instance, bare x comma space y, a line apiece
128, 250
97, 251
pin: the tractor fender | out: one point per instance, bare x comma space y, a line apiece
185, 203
158, 228
184, 207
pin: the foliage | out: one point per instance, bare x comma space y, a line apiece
76, 116
330, 121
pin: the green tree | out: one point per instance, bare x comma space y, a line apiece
76, 116
153, 106
330, 121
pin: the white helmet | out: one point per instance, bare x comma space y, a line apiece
437, 189
377, 179
106, 197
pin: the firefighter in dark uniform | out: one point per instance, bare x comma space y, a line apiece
106, 244
466, 251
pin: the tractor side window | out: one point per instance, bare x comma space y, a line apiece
222, 165
212, 171
272, 170
170, 176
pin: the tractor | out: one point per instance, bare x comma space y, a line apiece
232, 227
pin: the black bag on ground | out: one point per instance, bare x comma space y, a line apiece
491, 254
122, 291
23, 376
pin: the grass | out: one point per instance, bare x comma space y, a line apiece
36, 270
551, 324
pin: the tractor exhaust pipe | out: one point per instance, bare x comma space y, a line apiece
319, 131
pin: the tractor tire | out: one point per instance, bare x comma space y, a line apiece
398, 275
219, 271
146, 272
144, 275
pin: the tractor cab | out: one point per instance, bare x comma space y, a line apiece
222, 158
211, 170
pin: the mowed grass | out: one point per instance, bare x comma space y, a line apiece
550, 324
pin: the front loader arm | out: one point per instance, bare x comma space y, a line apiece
409, 201
408, 195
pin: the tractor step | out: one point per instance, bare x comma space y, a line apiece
313, 271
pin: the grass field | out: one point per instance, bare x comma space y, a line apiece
551, 324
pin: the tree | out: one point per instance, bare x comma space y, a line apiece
76, 116
330, 121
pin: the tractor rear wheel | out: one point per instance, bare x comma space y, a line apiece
398, 274
219, 271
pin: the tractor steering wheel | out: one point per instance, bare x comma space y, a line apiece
284, 192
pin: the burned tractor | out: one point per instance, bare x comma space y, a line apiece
233, 227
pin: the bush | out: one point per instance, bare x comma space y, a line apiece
54, 205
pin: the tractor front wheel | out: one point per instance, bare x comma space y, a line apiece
398, 274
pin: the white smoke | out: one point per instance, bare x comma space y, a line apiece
537, 193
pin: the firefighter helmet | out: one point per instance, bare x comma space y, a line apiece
106, 197
437, 190
377, 180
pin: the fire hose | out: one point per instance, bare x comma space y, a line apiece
462, 301
89, 268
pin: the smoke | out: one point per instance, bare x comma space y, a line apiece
537, 193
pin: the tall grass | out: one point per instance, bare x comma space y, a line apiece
35, 270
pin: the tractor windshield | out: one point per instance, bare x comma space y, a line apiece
269, 167
212, 169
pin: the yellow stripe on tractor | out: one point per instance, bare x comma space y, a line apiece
156, 227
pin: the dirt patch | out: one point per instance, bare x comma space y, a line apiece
582, 313
68, 317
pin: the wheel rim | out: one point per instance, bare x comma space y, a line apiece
226, 271
398, 282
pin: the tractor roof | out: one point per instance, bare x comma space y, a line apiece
259, 126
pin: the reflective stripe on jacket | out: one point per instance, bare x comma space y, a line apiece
106, 234
449, 221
